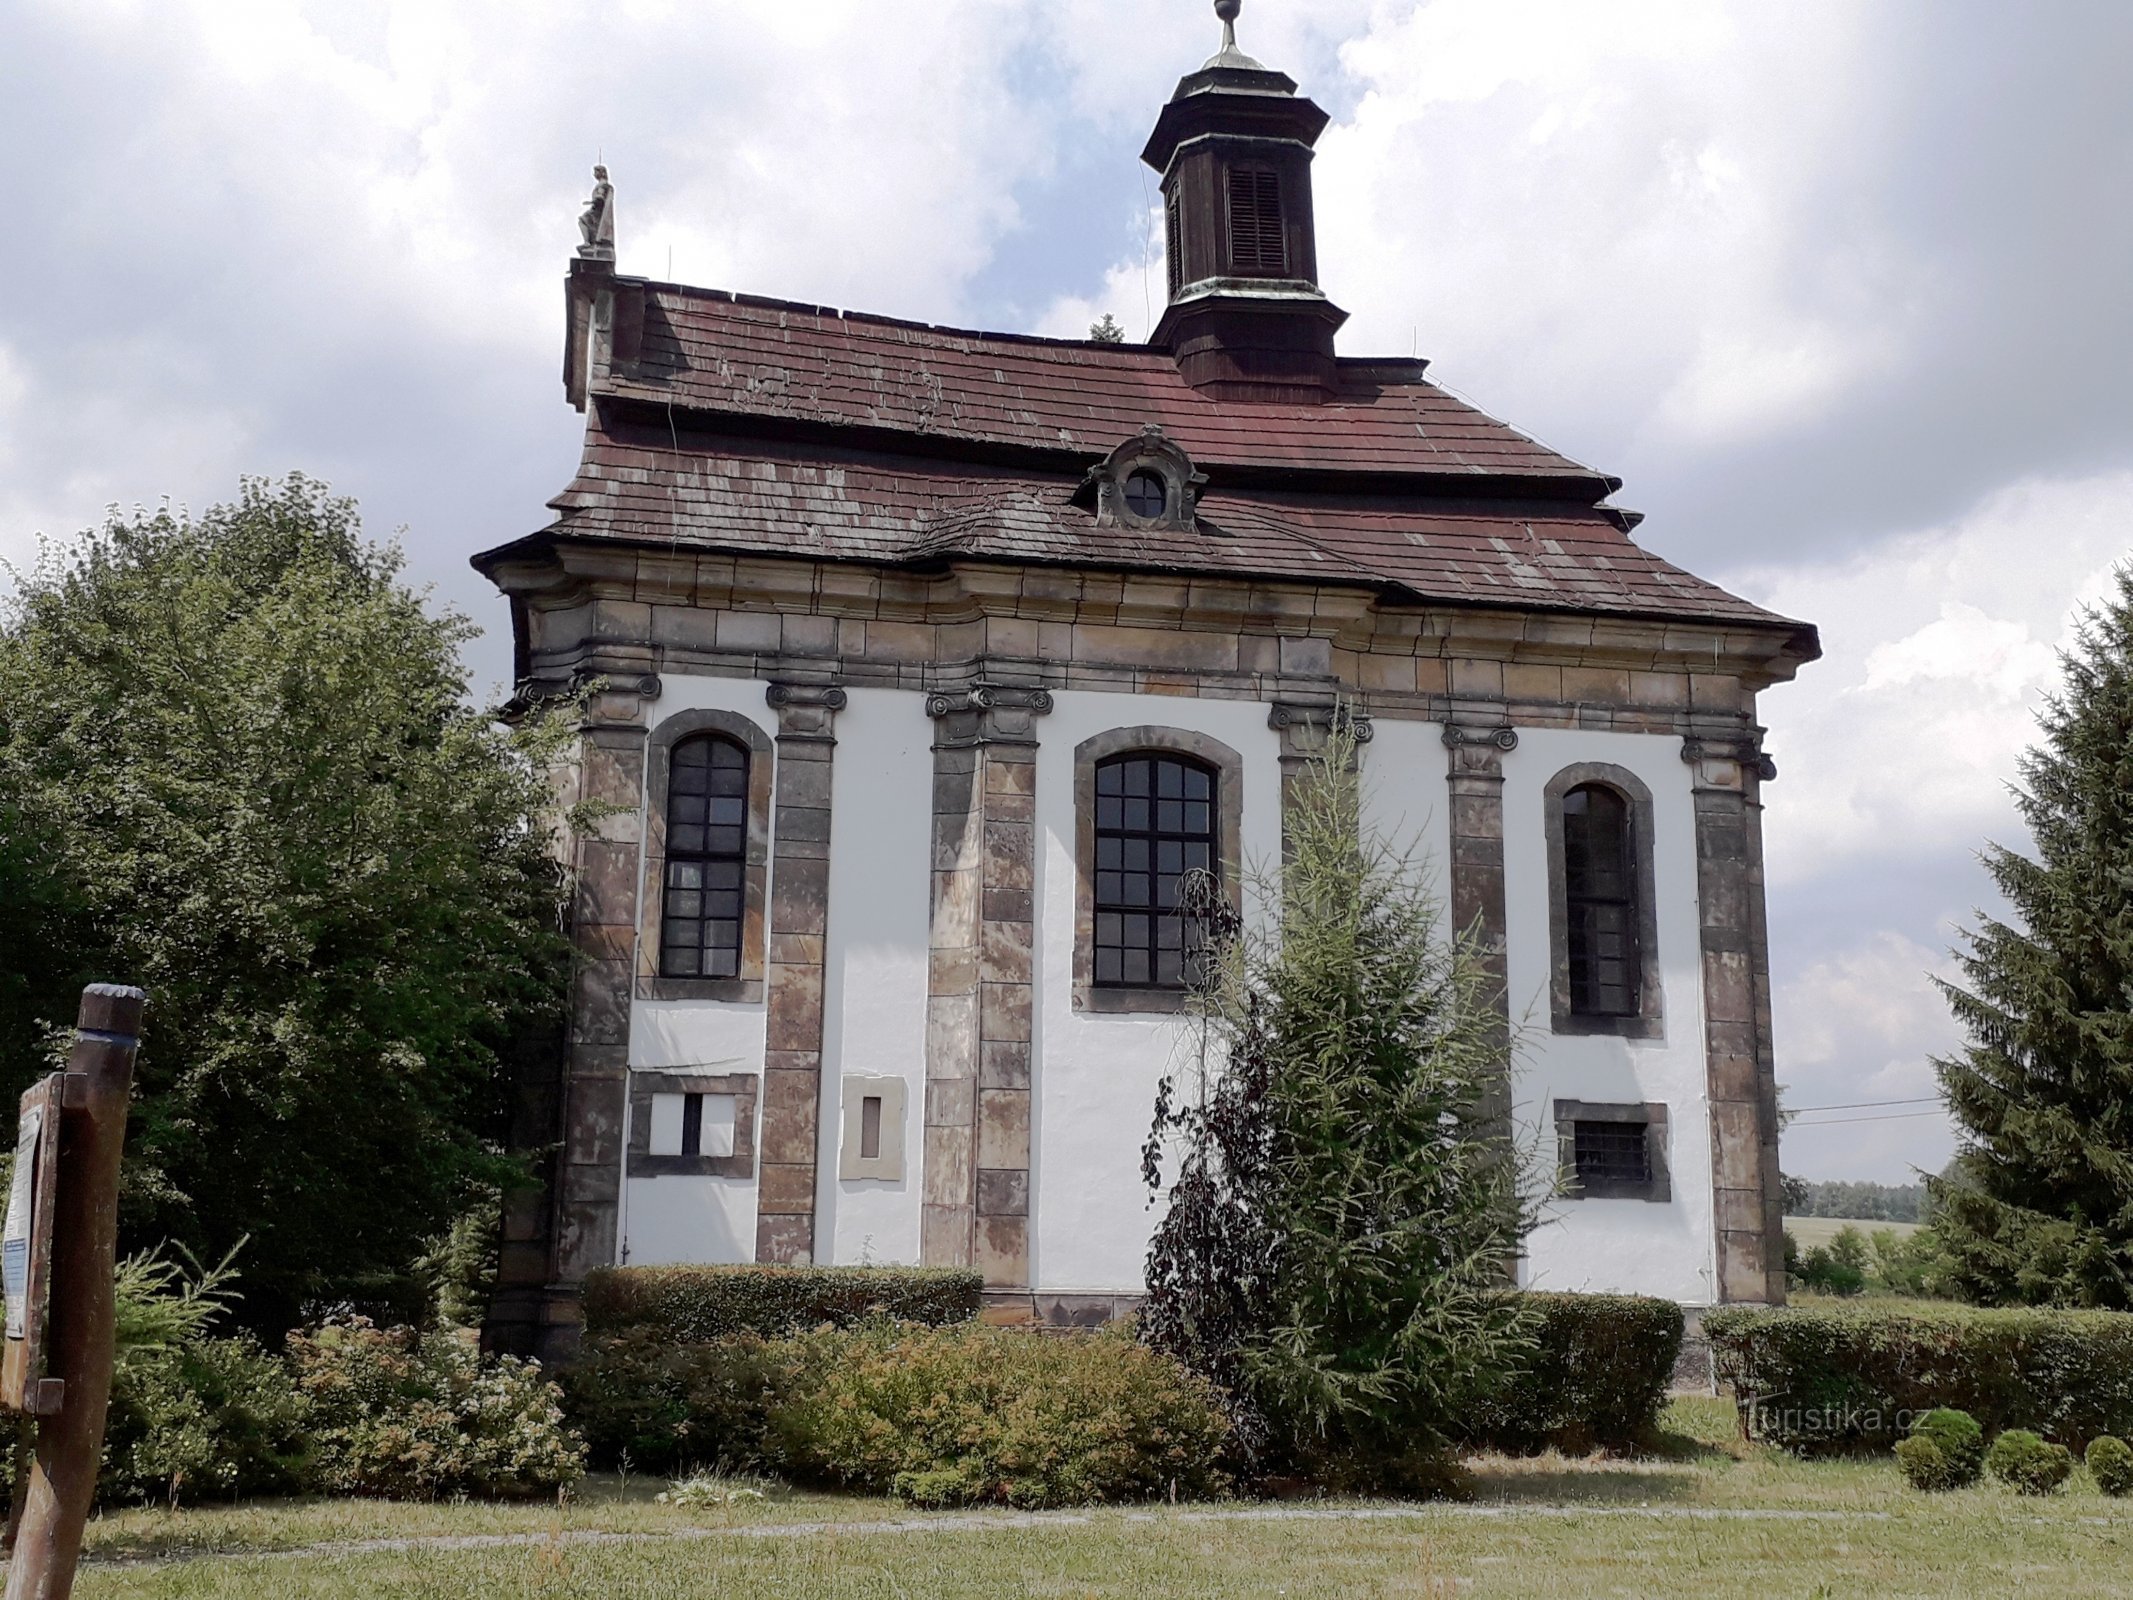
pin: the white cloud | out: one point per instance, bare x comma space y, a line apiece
1903, 740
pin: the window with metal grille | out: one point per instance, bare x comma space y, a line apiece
1173, 242
1155, 823
707, 858
1258, 244
1600, 902
1611, 1155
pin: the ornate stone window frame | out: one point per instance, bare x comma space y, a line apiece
1657, 1188
1151, 451
755, 877
744, 1087
1228, 768
1649, 1021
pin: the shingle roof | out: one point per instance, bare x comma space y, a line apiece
760, 427
738, 356
644, 485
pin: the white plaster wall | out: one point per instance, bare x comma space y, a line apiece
1405, 801
669, 1220
1094, 1076
1626, 1246
874, 998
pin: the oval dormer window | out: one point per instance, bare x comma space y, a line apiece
1147, 495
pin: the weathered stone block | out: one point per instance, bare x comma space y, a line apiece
951, 1175
1003, 1192
1003, 1128
1004, 1011
951, 1102
944, 1235
1003, 1251
952, 1036
1004, 1065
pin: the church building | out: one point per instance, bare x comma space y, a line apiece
920, 664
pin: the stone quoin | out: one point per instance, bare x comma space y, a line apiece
919, 664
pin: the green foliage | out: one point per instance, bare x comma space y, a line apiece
2028, 1465
258, 791
1106, 330
1596, 1376
459, 1267
648, 1403
690, 1305
1915, 1266
407, 1416
2037, 1207
1945, 1450
158, 1305
1838, 1267
2110, 1462
1851, 1376
1334, 1249
975, 1415
204, 1419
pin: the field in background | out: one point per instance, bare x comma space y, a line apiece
1706, 1518
1811, 1231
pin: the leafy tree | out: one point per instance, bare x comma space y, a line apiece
2038, 1205
1107, 330
259, 791
1346, 1206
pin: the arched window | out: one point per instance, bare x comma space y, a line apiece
1156, 821
706, 859
1600, 884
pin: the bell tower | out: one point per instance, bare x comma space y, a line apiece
1246, 318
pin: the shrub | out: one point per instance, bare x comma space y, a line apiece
1946, 1450
1595, 1378
660, 1407
693, 1305
978, 1415
2028, 1465
2110, 1463
206, 1419
404, 1416
1846, 1377
1838, 1267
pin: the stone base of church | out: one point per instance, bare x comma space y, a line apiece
1044, 1308
542, 1324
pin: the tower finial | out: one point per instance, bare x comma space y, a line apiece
1230, 55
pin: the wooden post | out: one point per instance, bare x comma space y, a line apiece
62, 1484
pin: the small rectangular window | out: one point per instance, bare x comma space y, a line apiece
1612, 1153
1173, 243
870, 1128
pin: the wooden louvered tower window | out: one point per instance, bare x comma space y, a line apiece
1258, 243
707, 859
1174, 242
1600, 899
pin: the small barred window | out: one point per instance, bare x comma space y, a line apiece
1600, 902
1609, 1155
706, 859
1155, 824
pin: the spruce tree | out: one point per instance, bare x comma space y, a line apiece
2037, 1207
1337, 1245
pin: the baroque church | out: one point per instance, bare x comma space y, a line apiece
921, 664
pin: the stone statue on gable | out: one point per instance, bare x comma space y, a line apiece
597, 223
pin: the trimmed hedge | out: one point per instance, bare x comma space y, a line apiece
1946, 1450
961, 1415
1596, 1378
694, 1305
2027, 1465
1856, 1377
2110, 1463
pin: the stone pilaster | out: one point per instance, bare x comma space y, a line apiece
1305, 730
979, 1001
1474, 772
1739, 1063
799, 928
575, 1107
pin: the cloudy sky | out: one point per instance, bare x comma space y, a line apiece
1840, 288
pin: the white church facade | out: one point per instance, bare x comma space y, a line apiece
922, 662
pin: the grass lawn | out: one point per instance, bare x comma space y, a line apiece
1812, 1231
1708, 1517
